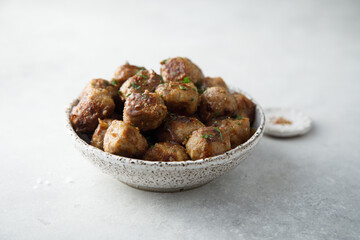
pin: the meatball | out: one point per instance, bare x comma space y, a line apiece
238, 129
178, 129
145, 110
246, 108
166, 152
125, 140
208, 142
216, 102
179, 68
213, 82
96, 103
100, 84
123, 73
97, 139
143, 80
179, 97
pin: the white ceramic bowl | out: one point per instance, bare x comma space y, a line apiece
168, 176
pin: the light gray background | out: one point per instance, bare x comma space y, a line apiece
303, 54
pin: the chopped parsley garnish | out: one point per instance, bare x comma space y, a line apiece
208, 136
164, 61
193, 89
182, 87
162, 79
215, 122
144, 96
135, 86
128, 94
221, 136
174, 150
187, 123
114, 82
93, 84
239, 117
120, 92
217, 113
186, 80
239, 123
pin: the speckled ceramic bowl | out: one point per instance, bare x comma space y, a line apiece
167, 176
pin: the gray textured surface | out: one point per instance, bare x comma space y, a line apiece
304, 54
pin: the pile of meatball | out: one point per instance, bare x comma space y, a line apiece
175, 116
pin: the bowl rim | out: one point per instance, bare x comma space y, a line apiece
126, 160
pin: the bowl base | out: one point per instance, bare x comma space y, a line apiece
165, 190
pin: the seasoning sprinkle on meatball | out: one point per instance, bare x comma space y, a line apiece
143, 80
166, 152
123, 73
145, 110
179, 97
178, 129
178, 68
125, 140
238, 129
216, 102
208, 142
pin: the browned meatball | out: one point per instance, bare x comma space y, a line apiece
179, 97
123, 73
145, 110
178, 68
125, 140
143, 80
208, 142
246, 108
216, 102
178, 129
97, 139
213, 82
100, 84
166, 152
96, 103
239, 129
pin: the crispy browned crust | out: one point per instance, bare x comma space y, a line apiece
125, 140
96, 103
123, 73
216, 102
143, 80
97, 139
178, 129
145, 110
246, 108
179, 97
238, 129
176, 69
208, 142
213, 82
166, 152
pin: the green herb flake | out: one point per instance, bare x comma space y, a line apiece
221, 136
217, 113
144, 96
135, 86
163, 61
174, 150
239, 123
193, 89
114, 82
182, 87
192, 99
128, 94
215, 122
93, 84
187, 123
119, 92
161, 79
186, 80
205, 136
239, 117
211, 136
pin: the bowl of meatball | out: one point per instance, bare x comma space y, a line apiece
165, 132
